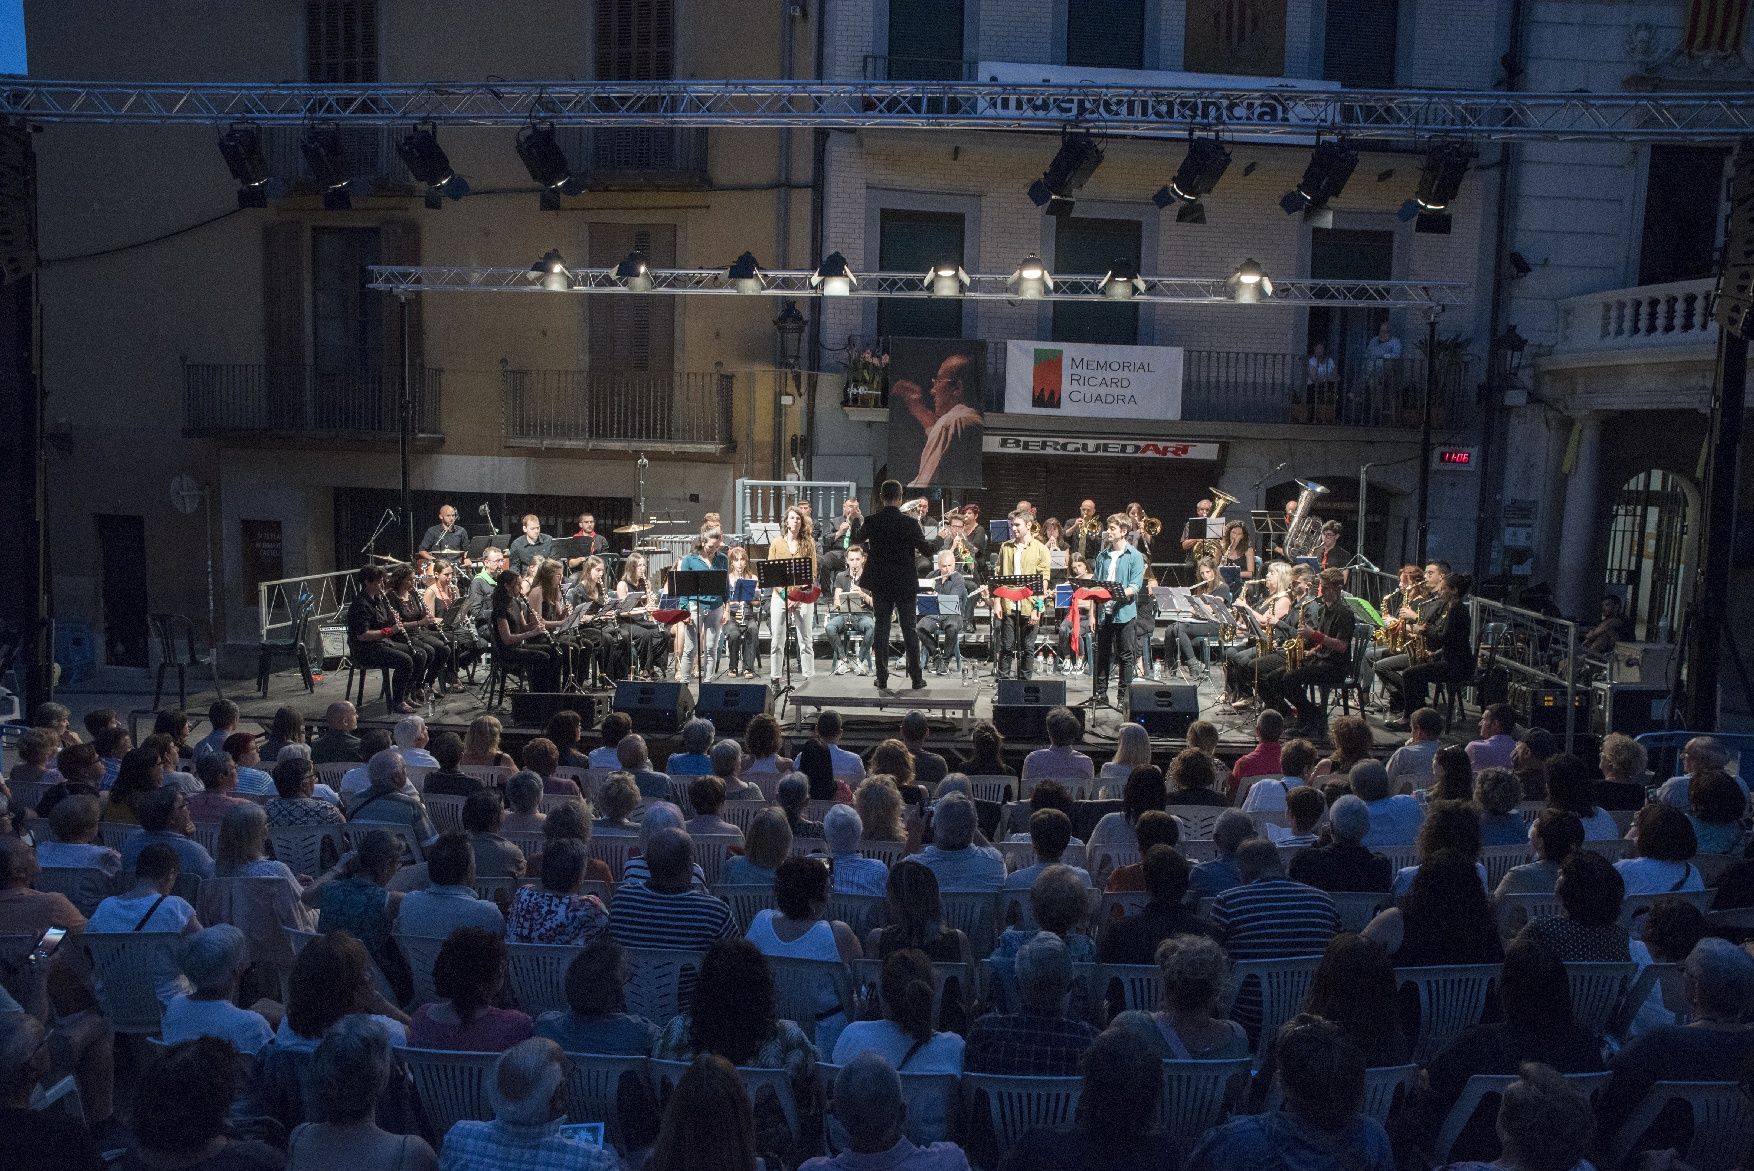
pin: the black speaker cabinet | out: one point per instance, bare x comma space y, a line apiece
730, 706
1020, 711
1165, 709
656, 706
533, 709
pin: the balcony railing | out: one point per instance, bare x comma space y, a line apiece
1236, 386
1678, 313
588, 408
238, 398
621, 157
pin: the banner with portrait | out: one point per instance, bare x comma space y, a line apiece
935, 421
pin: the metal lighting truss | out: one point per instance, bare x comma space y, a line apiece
1259, 111
440, 278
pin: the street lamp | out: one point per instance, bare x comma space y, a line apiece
789, 328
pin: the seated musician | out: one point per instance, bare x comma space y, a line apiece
1238, 553
647, 641
1016, 622
852, 613
1325, 629
1450, 640
599, 634
1179, 647
519, 640
446, 541
1417, 610
1239, 664
1408, 593
1074, 657
742, 619
1145, 625
942, 632
375, 639
432, 654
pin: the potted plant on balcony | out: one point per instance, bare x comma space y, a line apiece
867, 378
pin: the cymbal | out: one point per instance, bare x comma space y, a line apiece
648, 548
635, 527
390, 559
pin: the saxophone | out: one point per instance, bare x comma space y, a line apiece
1303, 535
1293, 648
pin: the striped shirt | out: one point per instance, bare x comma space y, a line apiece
1271, 918
642, 917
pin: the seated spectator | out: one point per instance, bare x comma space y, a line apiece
727, 760
112, 743
252, 782
929, 767
180, 1103
243, 848
358, 780
1049, 795
218, 774
1060, 901
354, 896
953, 856
1319, 1127
337, 744
449, 902
1568, 788
892, 759
1411, 766
869, 1112
410, 737
78, 769
1354, 988
798, 928
1543, 1122
1444, 918
468, 976
792, 795
24, 910
667, 910
1394, 819
34, 750
762, 743
481, 743
1554, 837
150, 906
1193, 780
349, 1075
388, 800
1452, 776
213, 960
915, 917
36, 1140
495, 857
1716, 806
449, 780
556, 912
905, 1037
1624, 771
1589, 932
1217, 875
596, 1019
541, 757
164, 819
1305, 807
572, 822
527, 1090
1497, 738
1264, 759
1351, 738
565, 730
878, 803
1050, 832
523, 792
691, 759
287, 727
1194, 971
636, 761
172, 764
1117, 1118
1270, 794
708, 1124
1268, 916
1448, 825
817, 766
1132, 750
1346, 864
1061, 760
1669, 931
769, 843
848, 768
74, 822
1697, 755
617, 798
1664, 844
295, 802
141, 771
1134, 940
1537, 1026
1038, 1040
1528, 760
852, 872
706, 794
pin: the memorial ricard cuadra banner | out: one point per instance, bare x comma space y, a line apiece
1077, 381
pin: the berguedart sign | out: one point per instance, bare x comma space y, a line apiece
1172, 449
1077, 381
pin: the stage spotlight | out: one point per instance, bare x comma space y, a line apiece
1077, 160
1440, 178
321, 147
1248, 284
1122, 280
241, 147
833, 277
547, 164
634, 273
745, 274
429, 165
1031, 281
551, 273
1198, 174
1323, 179
946, 280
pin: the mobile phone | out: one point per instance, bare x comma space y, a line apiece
49, 941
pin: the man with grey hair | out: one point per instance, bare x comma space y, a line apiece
954, 857
793, 796
636, 759
1038, 1040
1345, 864
411, 739
692, 760
1394, 819
869, 1113
337, 744
659, 815
667, 909
388, 801
1698, 754
1216, 875
527, 1090
854, 874
727, 758
214, 960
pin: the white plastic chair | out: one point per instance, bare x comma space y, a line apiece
1478, 1089
996, 789
530, 841
491, 774
1198, 820
538, 974
1452, 998
1141, 985
331, 772
1118, 904
421, 952
353, 831
127, 965
746, 900
114, 834
1635, 907
860, 912
1283, 983
742, 814
798, 987
1017, 1105
1499, 860
710, 852
1382, 1086
446, 811
660, 982
452, 1085
888, 853
592, 1082
1723, 1124
1597, 990
1613, 849
84, 886
1197, 1095
927, 1096
1358, 908
976, 915
1516, 911
1400, 857
614, 852
301, 846
1110, 859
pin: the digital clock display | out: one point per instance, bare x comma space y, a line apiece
1462, 458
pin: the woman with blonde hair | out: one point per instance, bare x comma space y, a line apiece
1132, 750
618, 797
1239, 664
1623, 762
766, 845
793, 541
243, 853
892, 758
878, 803
1194, 971
1203, 734
481, 743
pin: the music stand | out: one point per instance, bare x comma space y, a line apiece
785, 573
696, 585
1268, 525
478, 547
1025, 581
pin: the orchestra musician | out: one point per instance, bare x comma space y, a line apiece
480, 600
375, 637
599, 634
1124, 564
447, 540
941, 632
848, 531
1239, 662
1059, 552
1408, 594
519, 640
432, 654
852, 608
794, 541
441, 598
1238, 552
976, 535
1450, 638
1325, 629
1137, 536
547, 598
706, 611
742, 619
1194, 529
1072, 657
1278, 546
1016, 622
646, 640
533, 544
587, 537
1145, 624
1329, 554
1179, 644
1085, 533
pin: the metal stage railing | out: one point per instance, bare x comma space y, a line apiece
328, 595
762, 504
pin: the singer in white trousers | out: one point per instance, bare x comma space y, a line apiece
804, 622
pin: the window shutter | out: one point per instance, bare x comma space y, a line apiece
1360, 43
341, 41
283, 321
1091, 246
636, 40
925, 40
914, 241
1106, 34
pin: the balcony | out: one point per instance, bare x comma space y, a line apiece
612, 411
273, 400
637, 157
1644, 318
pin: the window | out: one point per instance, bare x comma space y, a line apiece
341, 41
1106, 34
1084, 246
913, 241
347, 333
925, 41
1682, 211
1359, 48
1235, 36
636, 40
632, 334
1347, 254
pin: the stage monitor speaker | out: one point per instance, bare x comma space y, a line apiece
730, 706
533, 709
1164, 709
655, 707
1020, 711
1631, 708
1544, 707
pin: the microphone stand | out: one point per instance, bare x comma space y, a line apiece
384, 522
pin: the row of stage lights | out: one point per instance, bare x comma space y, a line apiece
1330, 166
834, 277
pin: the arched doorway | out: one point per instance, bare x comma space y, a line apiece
1651, 550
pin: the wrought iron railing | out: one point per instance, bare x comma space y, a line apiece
637, 156
236, 397
589, 408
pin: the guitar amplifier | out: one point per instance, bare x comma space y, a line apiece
730, 706
1164, 709
656, 706
1544, 707
1020, 710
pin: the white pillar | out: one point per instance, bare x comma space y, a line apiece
1580, 583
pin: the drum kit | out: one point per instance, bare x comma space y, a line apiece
662, 550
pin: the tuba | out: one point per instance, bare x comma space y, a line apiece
1213, 547
1304, 535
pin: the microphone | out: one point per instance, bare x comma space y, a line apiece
482, 511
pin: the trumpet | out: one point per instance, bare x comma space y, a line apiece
1086, 526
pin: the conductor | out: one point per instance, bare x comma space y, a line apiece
892, 540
